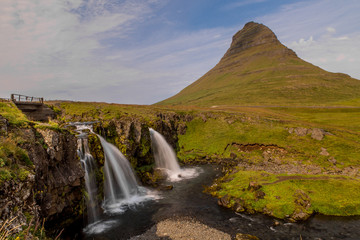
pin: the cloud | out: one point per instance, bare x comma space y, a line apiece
325, 33
52, 47
331, 29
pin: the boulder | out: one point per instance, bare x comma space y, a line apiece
254, 186
224, 201
324, 152
317, 133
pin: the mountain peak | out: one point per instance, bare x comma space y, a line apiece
253, 34
258, 70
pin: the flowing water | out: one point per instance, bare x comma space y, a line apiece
121, 190
120, 181
188, 200
89, 165
130, 209
166, 160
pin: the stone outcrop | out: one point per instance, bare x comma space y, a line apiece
253, 35
52, 188
316, 133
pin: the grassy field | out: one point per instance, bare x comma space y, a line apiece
285, 194
258, 138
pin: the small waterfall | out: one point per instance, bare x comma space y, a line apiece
89, 166
165, 158
120, 182
164, 154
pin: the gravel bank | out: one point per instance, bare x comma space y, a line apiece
181, 229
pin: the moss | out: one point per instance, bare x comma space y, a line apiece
22, 174
285, 195
5, 175
15, 117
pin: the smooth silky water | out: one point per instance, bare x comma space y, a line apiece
166, 160
188, 200
121, 190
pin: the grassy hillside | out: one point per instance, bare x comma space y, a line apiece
274, 148
259, 70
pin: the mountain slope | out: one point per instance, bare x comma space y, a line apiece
258, 70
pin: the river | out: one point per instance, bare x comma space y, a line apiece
187, 199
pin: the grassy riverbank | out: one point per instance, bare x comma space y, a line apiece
317, 149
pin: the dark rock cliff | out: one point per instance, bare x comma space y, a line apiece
51, 188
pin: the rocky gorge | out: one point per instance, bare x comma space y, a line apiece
42, 177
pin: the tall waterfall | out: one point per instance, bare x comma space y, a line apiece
165, 158
120, 182
89, 166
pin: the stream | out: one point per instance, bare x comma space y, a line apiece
187, 199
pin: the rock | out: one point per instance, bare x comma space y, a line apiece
332, 160
317, 133
165, 187
239, 205
300, 131
3, 125
233, 155
267, 156
302, 199
276, 223
291, 130
324, 152
224, 201
254, 186
242, 236
299, 216
259, 194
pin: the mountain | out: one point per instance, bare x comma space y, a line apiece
258, 70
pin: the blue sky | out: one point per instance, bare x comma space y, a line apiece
143, 51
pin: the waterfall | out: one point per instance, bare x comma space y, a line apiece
164, 154
120, 185
165, 158
89, 166
120, 182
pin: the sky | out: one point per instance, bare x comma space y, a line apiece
144, 51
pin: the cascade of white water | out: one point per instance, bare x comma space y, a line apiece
166, 159
120, 182
163, 153
89, 166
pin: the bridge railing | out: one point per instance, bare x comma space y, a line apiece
26, 99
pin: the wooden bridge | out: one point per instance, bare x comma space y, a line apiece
22, 99
33, 107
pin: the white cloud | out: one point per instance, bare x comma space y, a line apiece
50, 47
325, 33
331, 29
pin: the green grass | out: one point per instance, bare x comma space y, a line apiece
330, 195
346, 118
15, 117
213, 136
101, 111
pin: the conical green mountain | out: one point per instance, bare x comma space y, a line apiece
258, 70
